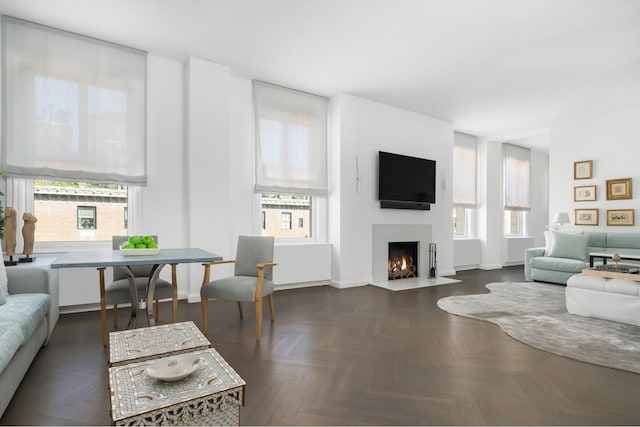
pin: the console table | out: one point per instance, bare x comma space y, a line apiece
605, 256
102, 259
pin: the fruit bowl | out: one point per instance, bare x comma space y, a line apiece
137, 245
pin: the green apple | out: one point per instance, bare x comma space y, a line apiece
147, 239
127, 246
134, 240
153, 245
141, 246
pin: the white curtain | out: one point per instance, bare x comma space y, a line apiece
517, 166
290, 141
74, 107
465, 149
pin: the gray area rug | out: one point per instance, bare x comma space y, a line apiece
535, 313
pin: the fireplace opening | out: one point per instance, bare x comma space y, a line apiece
403, 260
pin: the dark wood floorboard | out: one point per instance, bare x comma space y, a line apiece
359, 356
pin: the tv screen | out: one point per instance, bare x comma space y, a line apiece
406, 179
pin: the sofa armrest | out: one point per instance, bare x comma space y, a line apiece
28, 280
23, 280
529, 254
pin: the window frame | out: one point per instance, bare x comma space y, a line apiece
19, 195
318, 222
94, 209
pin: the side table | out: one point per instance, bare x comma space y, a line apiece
136, 345
212, 395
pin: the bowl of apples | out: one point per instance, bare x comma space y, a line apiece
137, 245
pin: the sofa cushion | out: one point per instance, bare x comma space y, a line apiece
597, 239
26, 311
572, 246
623, 240
10, 341
559, 264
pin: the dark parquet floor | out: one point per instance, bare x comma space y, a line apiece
359, 356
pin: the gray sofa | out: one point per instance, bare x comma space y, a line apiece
26, 322
540, 266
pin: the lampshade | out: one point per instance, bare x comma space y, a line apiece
561, 218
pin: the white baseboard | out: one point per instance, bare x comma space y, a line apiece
351, 284
490, 266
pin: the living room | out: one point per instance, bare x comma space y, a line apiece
200, 142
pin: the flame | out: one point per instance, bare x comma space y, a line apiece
403, 265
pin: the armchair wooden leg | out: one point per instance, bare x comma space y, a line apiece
204, 301
258, 319
240, 309
272, 311
103, 307
115, 316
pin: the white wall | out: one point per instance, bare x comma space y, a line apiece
364, 127
611, 141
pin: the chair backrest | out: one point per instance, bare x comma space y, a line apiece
138, 270
254, 250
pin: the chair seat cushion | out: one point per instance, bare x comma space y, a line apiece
118, 292
236, 288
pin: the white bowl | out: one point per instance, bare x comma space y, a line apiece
133, 252
173, 368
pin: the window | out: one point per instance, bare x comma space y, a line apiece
464, 184
291, 160
515, 223
75, 112
516, 182
86, 217
286, 220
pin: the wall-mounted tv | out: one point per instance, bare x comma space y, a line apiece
406, 182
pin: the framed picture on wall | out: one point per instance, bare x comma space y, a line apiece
583, 169
620, 217
586, 193
585, 217
618, 189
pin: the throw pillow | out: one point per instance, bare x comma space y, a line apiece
3, 298
3, 276
573, 246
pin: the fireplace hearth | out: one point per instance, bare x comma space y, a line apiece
403, 260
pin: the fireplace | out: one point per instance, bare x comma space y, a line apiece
403, 260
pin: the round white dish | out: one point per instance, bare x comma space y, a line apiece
173, 368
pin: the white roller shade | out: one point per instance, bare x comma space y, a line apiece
517, 166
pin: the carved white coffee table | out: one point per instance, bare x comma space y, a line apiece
212, 395
136, 345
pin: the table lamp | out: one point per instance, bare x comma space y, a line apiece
561, 218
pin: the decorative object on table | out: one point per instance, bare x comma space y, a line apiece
616, 260
536, 314
28, 236
173, 368
585, 193
585, 217
583, 169
10, 230
619, 189
620, 217
560, 218
136, 245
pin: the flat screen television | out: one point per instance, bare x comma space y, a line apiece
406, 182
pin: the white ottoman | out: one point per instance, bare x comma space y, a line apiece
610, 299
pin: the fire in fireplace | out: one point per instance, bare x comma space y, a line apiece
403, 260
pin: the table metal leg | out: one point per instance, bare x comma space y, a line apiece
151, 287
133, 290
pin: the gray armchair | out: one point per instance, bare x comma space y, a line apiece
118, 292
252, 279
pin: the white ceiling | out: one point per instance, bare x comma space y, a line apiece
497, 68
